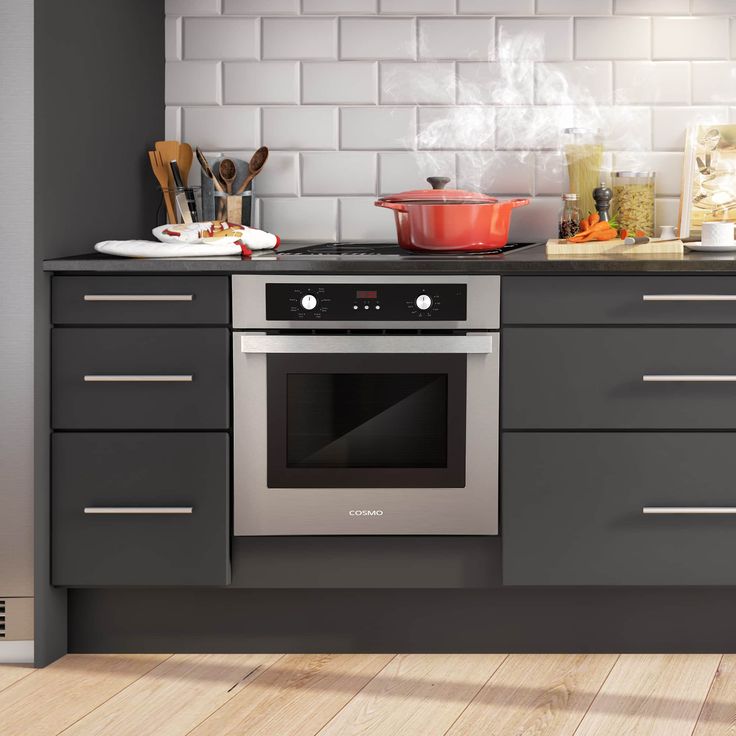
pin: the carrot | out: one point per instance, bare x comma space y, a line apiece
593, 219
623, 234
640, 233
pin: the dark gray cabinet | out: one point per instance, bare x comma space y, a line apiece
140, 508
572, 509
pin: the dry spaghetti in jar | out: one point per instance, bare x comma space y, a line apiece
633, 201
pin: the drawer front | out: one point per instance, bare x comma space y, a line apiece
573, 509
184, 477
135, 300
138, 378
619, 378
611, 300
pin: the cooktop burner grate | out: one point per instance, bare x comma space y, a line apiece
385, 249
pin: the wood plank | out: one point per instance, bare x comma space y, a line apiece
11, 673
296, 696
176, 696
718, 717
652, 694
55, 697
536, 694
420, 694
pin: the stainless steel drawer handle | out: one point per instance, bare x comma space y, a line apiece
138, 510
138, 297
138, 379
672, 510
689, 379
689, 297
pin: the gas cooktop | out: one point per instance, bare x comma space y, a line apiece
391, 250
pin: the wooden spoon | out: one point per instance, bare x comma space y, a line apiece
228, 173
162, 177
184, 159
257, 160
205, 164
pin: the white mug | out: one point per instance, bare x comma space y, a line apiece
667, 232
717, 233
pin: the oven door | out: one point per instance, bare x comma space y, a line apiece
366, 434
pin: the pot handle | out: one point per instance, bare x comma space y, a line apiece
521, 202
390, 205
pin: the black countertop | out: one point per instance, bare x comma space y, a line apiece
527, 260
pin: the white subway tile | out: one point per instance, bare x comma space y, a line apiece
417, 7
377, 38
399, 172
495, 7
550, 173
371, 128
279, 176
666, 212
300, 128
299, 38
732, 114
573, 82
192, 83
670, 124
495, 83
261, 7
667, 166
713, 7
714, 82
535, 222
496, 172
221, 127
361, 220
733, 38
540, 39
220, 38
172, 38
532, 128
657, 82
418, 83
574, 7
343, 172
299, 218
456, 38
466, 127
651, 7
261, 82
340, 7
192, 7
346, 82
612, 38
690, 38
623, 128
172, 123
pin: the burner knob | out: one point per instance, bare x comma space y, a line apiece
424, 301
309, 301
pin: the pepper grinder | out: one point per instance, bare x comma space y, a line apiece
602, 196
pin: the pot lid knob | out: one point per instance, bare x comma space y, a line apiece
438, 182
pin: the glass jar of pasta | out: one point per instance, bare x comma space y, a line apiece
583, 151
633, 201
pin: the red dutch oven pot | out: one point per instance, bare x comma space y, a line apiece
440, 219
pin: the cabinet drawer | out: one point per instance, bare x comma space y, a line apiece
573, 509
619, 378
611, 300
133, 300
138, 378
140, 509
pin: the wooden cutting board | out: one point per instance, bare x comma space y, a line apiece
616, 246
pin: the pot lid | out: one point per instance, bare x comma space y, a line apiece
439, 195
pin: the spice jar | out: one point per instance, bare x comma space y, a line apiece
583, 150
569, 222
633, 201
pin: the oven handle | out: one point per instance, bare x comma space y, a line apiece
260, 342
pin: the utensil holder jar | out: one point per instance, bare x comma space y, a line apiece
235, 208
186, 204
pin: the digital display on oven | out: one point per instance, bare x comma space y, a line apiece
366, 295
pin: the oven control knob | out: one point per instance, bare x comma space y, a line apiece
309, 301
424, 301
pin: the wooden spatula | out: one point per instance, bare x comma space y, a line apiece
162, 176
184, 159
168, 150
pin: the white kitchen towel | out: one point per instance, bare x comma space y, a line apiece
154, 249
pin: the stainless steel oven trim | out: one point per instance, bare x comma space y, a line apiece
249, 302
471, 510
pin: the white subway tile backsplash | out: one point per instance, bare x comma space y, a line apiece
279, 177
653, 82
667, 167
613, 38
172, 123
456, 38
496, 172
399, 172
733, 38
300, 128
192, 7
574, 7
714, 82
573, 82
690, 38
495, 83
261, 82
220, 38
300, 218
450, 128
417, 7
361, 220
260, 7
230, 127
666, 212
377, 38
411, 83
495, 7
670, 123
299, 38
172, 38
540, 39
340, 82
343, 172
376, 128
536, 221
532, 128
340, 7
622, 128
550, 173
713, 7
651, 7
192, 83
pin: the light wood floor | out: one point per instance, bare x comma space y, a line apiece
381, 694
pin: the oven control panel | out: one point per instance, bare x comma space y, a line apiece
366, 302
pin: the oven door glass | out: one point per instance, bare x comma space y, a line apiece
366, 421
